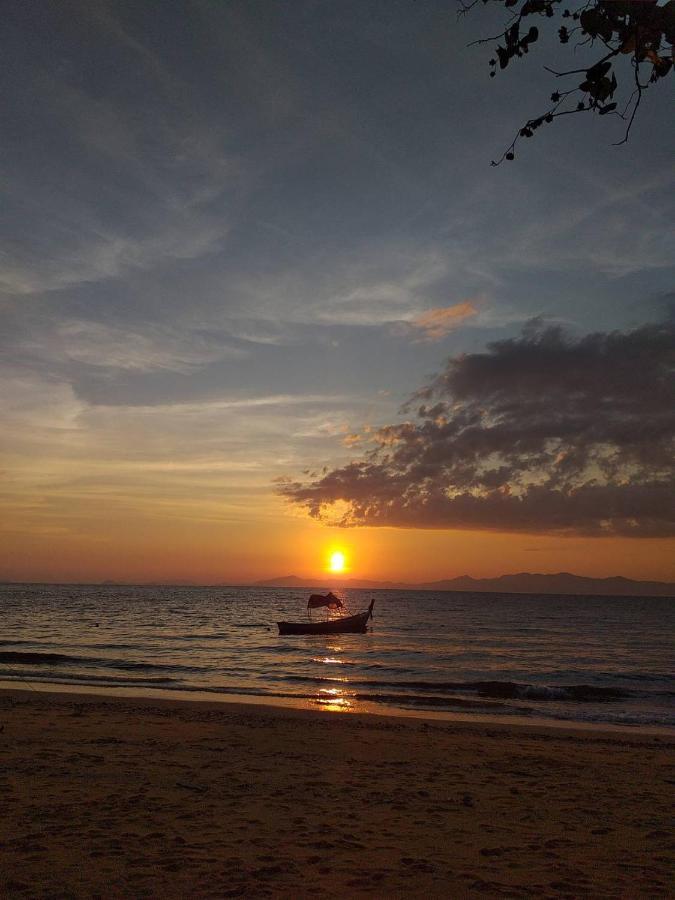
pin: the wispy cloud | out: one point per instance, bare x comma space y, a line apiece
153, 348
435, 324
235, 403
211, 460
375, 286
32, 405
122, 185
87, 256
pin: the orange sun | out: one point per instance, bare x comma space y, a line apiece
337, 562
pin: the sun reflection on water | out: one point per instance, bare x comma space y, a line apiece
337, 698
334, 700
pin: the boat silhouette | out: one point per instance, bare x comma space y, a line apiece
344, 625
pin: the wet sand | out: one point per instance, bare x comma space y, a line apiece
117, 797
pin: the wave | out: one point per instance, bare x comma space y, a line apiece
404, 700
32, 658
41, 677
578, 693
29, 658
504, 690
195, 636
415, 700
421, 701
448, 690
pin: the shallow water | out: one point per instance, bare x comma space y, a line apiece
580, 659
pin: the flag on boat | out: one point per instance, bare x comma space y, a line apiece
330, 600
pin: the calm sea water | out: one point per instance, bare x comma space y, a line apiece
582, 659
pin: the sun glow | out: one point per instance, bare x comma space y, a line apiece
337, 562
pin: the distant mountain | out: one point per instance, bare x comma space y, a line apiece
522, 583
561, 583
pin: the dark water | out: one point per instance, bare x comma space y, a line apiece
590, 659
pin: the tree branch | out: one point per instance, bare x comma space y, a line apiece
638, 29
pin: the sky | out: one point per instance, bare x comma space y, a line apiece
263, 297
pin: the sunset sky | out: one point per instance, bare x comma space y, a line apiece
239, 237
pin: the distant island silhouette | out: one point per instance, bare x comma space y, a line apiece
521, 583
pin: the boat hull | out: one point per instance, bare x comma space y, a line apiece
347, 625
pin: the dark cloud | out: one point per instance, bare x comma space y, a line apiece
539, 433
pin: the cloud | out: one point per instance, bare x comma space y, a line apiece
112, 184
63, 459
237, 403
105, 255
35, 405
539, 433
381, 285
141, 350
437, 323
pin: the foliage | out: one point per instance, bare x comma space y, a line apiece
641, 31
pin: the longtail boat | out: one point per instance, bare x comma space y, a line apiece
345, 625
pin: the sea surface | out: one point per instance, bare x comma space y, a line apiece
603, 660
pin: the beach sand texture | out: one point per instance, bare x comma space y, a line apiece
116, 797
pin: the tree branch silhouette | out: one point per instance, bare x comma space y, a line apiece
642, 30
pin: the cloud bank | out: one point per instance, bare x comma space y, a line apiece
539, 433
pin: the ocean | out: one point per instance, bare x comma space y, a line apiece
601, 660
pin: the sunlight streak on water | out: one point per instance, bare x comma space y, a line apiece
333, 700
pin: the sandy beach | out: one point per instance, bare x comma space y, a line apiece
116, 797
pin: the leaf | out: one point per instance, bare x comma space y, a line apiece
598, 71
532, 6
663, 66
590, 21
629, 44
602, 90
668, 20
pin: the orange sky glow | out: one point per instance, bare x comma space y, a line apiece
156, 544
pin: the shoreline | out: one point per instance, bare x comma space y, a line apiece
151, 797
461, 724
300, 704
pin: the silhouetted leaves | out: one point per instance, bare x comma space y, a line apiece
643, 31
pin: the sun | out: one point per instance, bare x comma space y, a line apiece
337, 562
